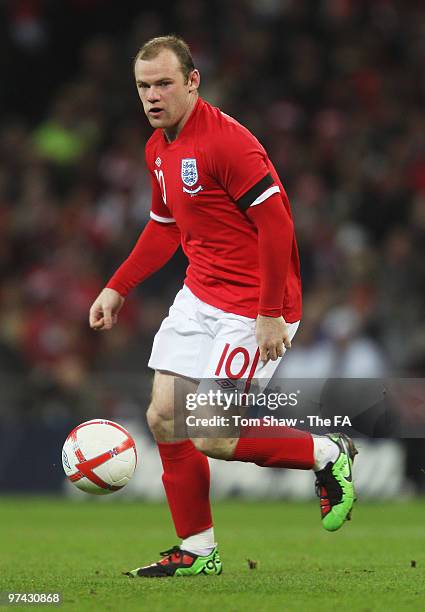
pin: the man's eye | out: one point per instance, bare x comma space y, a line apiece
164, 84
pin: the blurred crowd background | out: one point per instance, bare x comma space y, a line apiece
335, 91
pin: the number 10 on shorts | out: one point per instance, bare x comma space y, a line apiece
236, 363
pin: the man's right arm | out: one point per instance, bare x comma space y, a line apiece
156, 245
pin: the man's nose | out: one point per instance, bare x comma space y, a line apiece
152, 94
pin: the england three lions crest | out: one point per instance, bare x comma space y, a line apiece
189, 172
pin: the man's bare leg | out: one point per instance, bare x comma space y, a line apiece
186, 474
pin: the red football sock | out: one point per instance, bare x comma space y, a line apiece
186, 481
283, 447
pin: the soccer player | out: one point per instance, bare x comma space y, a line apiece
215, 192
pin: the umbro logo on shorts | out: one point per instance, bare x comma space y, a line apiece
225, 383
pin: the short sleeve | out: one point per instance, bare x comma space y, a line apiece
240, 164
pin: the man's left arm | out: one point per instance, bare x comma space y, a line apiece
239, 162
275, 237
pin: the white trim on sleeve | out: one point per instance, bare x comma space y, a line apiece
162, 219
266, 194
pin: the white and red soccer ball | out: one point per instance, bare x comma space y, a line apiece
99, 457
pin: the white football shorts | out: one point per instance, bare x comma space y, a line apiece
199, 341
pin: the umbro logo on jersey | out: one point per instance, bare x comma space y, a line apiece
189, 174
158, 161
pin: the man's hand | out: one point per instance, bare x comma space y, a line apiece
272, 334
105, 309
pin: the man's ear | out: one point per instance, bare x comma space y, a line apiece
194, 80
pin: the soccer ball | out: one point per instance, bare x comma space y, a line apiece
99, 457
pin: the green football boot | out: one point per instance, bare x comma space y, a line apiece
334, 485
178, 562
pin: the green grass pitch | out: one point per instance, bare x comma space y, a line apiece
81, 550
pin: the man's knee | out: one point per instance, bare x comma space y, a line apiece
160, 413
159, 417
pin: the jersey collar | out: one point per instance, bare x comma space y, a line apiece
187, 126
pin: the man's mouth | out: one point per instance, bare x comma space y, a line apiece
155, 111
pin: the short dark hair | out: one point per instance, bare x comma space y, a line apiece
177, 45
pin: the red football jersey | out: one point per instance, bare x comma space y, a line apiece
204, 181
